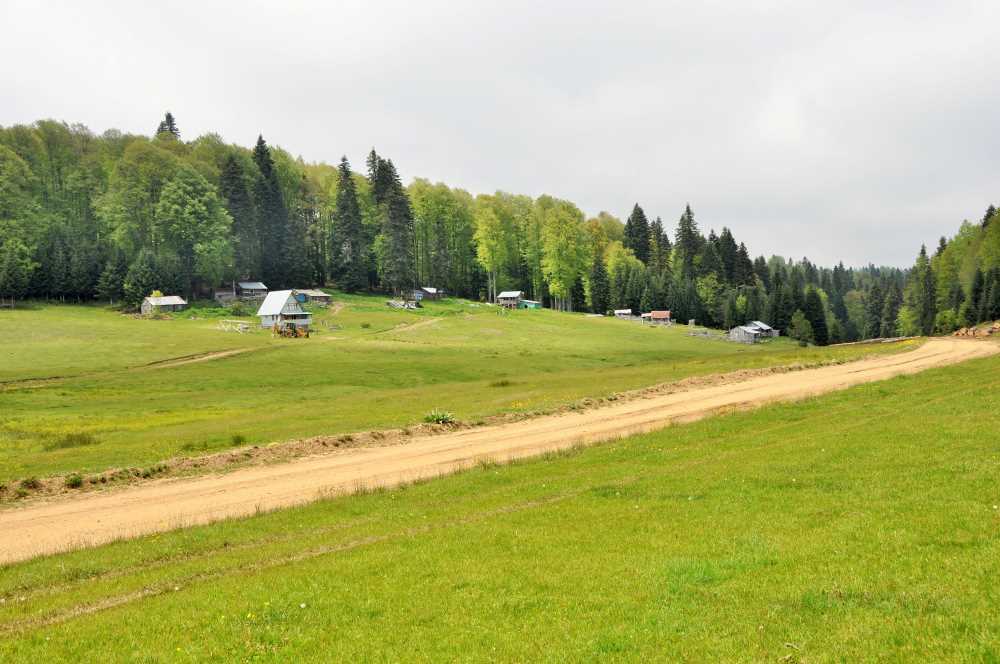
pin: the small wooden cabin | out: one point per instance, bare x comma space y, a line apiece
510, 299
428, 293
764, 329
282, 309
251, 290
313, 295
160, 303
744, 334
659, 317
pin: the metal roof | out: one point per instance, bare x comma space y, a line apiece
748, 329
758, 324
510, 293
277, 302
429, 289
312, 292
623, 311
252, 285
659, 315
165, 300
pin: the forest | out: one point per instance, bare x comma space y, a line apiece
114, 217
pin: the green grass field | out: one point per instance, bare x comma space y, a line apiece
863, 525
78, 394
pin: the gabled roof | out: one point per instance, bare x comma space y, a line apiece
659, 315
760, 325
279, 302
623, 311
429, 289
165, 300
510, 293
747, 329
312, 292
252, 285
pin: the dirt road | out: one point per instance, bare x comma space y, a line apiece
95, 518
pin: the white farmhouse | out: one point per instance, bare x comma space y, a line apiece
282, 309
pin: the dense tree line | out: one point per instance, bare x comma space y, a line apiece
117, 216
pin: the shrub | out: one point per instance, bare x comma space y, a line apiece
74, 481
439, 417
365, 326
238, 308
500, 383
31, 483
20, 493
237, 439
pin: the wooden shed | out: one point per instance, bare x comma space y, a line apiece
744, 334
428, 293
160, 303
659, 317
764, 329
510, 299
251, 290
313, 295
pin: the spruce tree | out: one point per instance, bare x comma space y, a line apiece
688, 244
245, 232
110, 285
599, 296
272, 219
168, 125
637, 234
890, 311
659, 247
976, 292
761, 271
874, 304
143, 278
728, 254
348, 242
743, 269
397, 229
990, 213
578, 296
816, 316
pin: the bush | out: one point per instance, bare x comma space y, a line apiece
439, 417
237, 439
74, 481
365, 326
500, 383
238, 308
30, 484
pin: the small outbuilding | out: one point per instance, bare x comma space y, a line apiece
623, 313
764, 329
313, 295
510, 299
659, 317
155, 304
282, 309
744, 334
530, 304
251, 290
428, 293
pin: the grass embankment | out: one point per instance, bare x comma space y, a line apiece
83, 389
863, 525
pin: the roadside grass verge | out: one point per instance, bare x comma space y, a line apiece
864, 524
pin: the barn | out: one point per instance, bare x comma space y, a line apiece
281, 309
160, 303
510, 299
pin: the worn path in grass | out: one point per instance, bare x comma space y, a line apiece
88, 520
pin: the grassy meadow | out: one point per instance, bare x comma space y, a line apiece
863, 525
80, 390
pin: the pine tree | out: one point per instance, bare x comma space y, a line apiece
743, 269
816, 316
272, 219
637, 234
730, 311
990, 213
245, 233
688, 244
15, 269
728, 254
168, 125
890, 311
348, 241
110, 285
874, 305
143, 278
599, 296
976, 292
709, 261
397, 230
761, 271
578, 296
659, 247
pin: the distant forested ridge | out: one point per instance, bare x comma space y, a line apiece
117, 216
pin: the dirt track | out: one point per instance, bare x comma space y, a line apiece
91, 519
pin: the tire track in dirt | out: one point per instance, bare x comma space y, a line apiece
88, 520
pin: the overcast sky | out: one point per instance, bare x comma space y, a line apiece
816, 129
